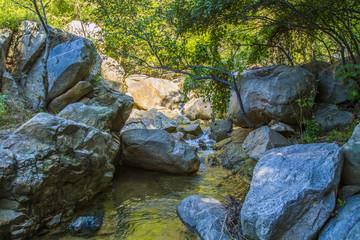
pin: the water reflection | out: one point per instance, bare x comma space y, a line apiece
142, 204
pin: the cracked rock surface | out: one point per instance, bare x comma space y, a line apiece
48, 167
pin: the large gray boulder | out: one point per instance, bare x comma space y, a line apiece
293, 192
157, 150
71, 59
49, 167
329, 117
264, 98
261, 140
331, 89
152, 119
24, 62
346, 226
69, 63
205, 216
111, 71
149, 92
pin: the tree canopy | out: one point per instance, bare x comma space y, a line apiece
215, 39
212, 40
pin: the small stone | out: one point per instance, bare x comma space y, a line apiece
281, 127
85, 225
193, 129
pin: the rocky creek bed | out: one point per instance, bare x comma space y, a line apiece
142, 204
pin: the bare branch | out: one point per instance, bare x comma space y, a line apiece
24, 6
47, 3
44, 13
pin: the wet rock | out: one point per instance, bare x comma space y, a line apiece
264, 97
151, 119
202, 144
205, 216
220, 129
198, 108
351, 170
149, 92
329, 117
71, 96
157, 150
261, 140
85, 225
292, 193
346, 225
50, 151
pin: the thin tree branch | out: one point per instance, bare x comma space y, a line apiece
22, 5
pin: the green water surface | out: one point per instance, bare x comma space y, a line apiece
142, 204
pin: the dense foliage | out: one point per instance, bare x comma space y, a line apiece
212, 40
59, 12
303, 29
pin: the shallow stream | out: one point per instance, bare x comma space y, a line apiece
142, 204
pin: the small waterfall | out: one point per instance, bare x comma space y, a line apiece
203, 143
